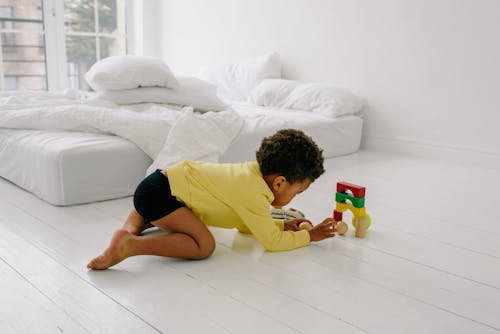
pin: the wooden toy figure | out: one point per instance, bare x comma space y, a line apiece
351, 197
288, 214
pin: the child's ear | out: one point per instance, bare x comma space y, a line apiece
278, 182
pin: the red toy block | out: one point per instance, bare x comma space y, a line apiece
337, 215
356, 190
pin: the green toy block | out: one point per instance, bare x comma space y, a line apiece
356, 202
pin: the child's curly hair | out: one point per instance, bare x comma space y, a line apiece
290, 153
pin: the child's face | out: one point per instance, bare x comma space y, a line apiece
285, 192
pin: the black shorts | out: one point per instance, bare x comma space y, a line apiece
153, 198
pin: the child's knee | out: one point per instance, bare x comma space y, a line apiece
207, 247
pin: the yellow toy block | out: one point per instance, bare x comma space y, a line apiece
357, 212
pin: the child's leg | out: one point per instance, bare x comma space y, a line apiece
135, 223
190, 239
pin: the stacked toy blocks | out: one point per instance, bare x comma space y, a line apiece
351, 197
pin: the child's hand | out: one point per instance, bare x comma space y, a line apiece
293, 225
324, 230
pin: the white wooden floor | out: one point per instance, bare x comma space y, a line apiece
429, 264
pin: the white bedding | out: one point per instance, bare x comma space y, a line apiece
66, 168
103, 150
166, 135
336, 136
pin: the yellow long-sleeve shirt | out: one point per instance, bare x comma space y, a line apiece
229, 196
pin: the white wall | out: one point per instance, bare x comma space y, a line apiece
429, 69
144, 18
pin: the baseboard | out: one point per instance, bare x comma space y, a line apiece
453, 153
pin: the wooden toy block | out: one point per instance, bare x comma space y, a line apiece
305, 226
351, 197
343, 197
356, 190
341, 228
337, 215
357, 212
368, 221
360, 228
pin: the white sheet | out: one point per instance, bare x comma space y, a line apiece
165, 134
66, 168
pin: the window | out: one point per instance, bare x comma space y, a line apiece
22, 57
94, 29
6, 25
41, 37
38, 36
11, 83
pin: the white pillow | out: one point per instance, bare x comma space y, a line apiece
128, 72
235, 81
191, 92
321, 98
272, 92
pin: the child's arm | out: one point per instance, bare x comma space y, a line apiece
255, 215
316, 233
262, 226
243, 229
279, 223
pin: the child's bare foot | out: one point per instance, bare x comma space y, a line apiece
115, 253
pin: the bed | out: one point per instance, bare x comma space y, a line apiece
336, 136
77, 147
72, 167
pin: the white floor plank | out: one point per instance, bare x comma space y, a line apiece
312, 269
25, 309
429, 264
150, 294
92, 310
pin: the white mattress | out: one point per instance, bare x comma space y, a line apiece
65, 168
336, 137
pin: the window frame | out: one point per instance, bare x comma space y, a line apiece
11, 41
13, 30
55, 41
55, 38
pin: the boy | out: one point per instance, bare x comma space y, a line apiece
188, 196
